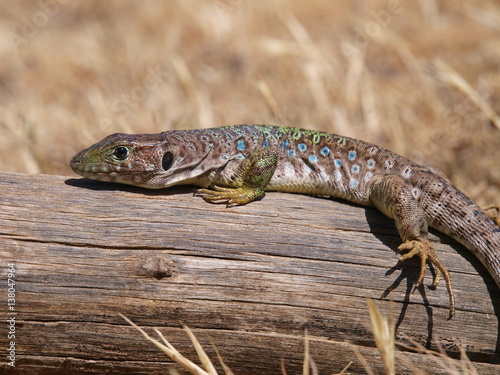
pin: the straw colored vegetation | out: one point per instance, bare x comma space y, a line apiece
383, 332
419, 77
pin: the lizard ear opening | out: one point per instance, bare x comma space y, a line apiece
167, 160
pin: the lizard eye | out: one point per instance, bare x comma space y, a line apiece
121, 153
167, 160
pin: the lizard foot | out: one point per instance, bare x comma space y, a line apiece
229, 196
425, 251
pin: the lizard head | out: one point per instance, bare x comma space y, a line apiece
124, 158
148, 160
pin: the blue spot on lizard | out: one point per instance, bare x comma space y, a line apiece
325, 151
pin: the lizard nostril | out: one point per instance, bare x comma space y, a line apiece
75, 162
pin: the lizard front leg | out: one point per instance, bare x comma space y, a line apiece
392, 196
249, 181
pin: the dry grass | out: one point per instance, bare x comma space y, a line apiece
384, 336
421, 78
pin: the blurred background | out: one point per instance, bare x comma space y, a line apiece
421, 77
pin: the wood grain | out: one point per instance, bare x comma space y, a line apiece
250, 278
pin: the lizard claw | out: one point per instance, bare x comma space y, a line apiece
424, 249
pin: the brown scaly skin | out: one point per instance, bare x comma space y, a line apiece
236, 164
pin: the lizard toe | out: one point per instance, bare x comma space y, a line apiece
423, 248
229, 196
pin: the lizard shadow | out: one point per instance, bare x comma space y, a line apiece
112, 186
95, 185
385, 230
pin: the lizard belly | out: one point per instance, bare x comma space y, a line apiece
318, 185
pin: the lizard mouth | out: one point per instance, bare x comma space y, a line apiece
79, 166
93, 170
100, 172
103, 171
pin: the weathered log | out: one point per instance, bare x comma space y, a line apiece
250, 278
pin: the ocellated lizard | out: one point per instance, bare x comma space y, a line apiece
236, 164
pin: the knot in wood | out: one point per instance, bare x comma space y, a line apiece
158, 267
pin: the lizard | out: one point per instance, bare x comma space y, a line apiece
237, 164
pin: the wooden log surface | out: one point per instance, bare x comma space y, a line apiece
249, 278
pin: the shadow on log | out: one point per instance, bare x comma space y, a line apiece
250, 278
